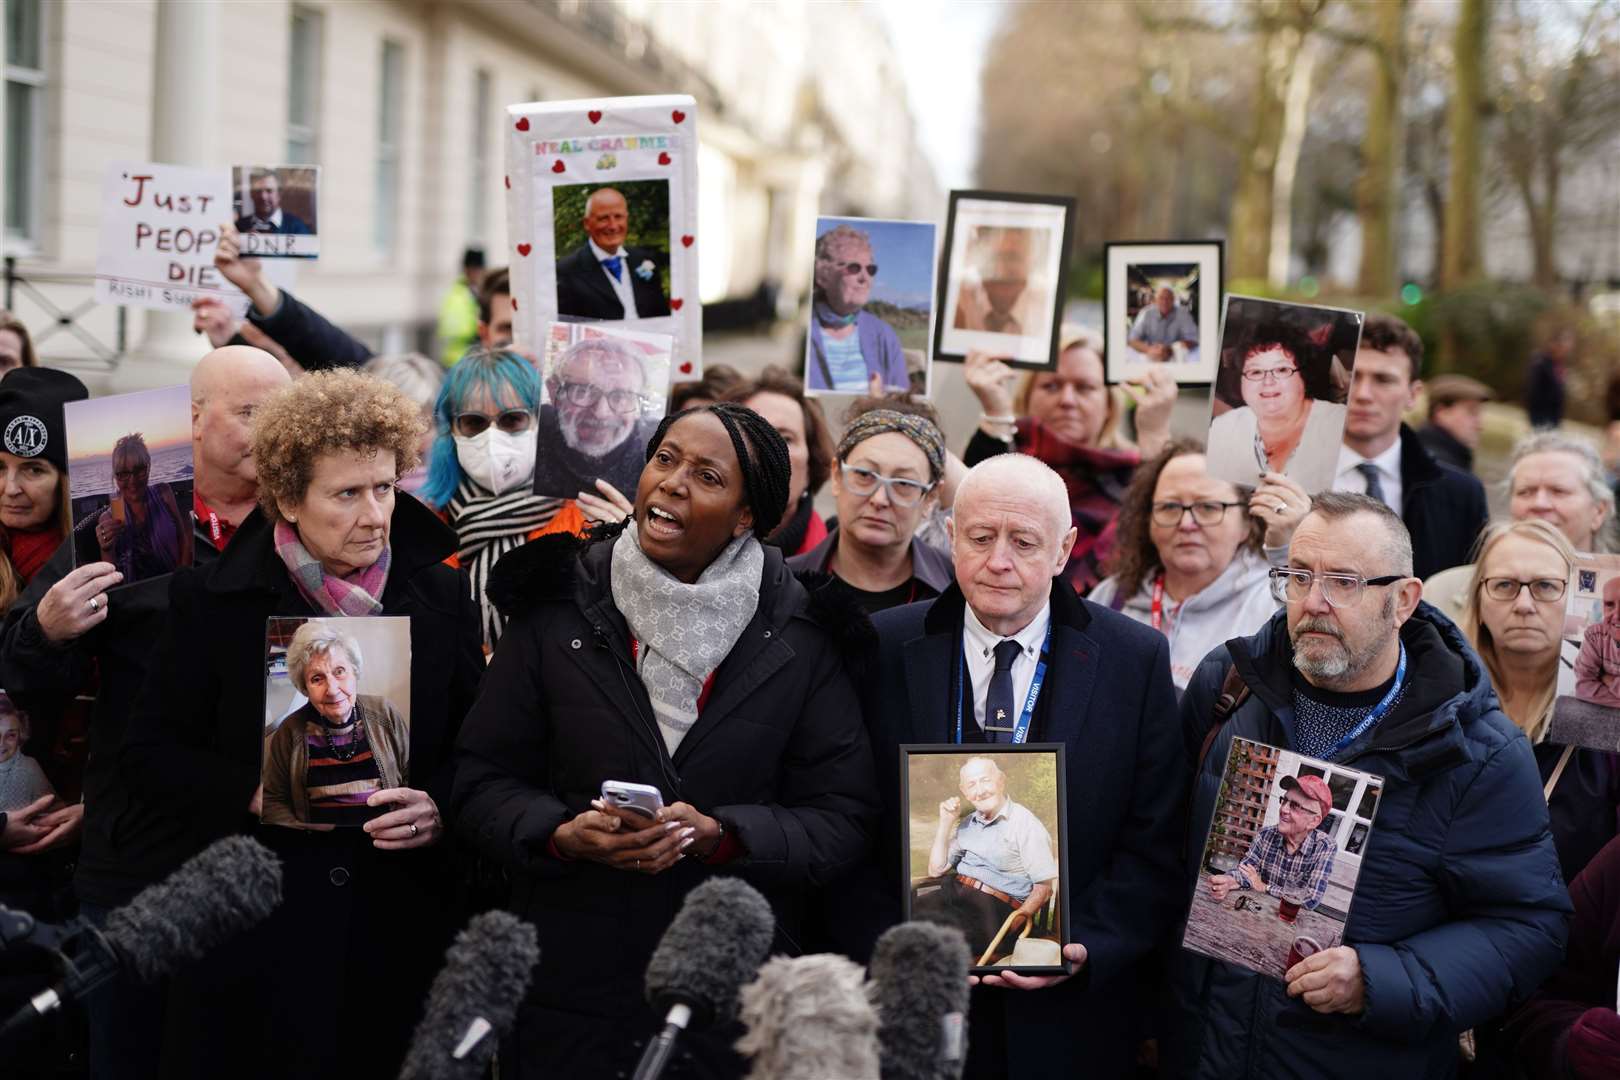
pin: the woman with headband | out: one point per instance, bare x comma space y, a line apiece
888, 469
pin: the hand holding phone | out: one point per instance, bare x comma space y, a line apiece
642, 799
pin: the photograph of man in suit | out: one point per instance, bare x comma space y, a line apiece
603, 279
264, 187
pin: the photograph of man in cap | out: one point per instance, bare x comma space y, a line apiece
1291, 859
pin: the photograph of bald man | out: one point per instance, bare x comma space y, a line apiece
604, 277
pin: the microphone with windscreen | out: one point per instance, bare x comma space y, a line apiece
808, 1018
231, 885
485, 977
919, 974
715, 944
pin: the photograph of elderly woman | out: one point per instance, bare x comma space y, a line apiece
337, 723
1587, 711
1279, 395
872, 307
22, 779
985, 848
1281, 860
129, 480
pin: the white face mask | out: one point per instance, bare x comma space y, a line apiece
497, 460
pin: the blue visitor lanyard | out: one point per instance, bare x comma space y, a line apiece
1378, 711
1021, 728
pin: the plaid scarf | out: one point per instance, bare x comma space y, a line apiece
1096, 479
487, 527
358, 594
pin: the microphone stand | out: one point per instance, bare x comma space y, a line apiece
659, 1050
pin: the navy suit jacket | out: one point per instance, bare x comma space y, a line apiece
583, 289
1109, 700
290, 224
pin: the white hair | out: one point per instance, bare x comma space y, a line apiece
1592, 473
316, 638
988, 761
1027, 476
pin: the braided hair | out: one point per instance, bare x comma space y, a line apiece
765, 472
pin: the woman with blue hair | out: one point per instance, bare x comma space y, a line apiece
481, 468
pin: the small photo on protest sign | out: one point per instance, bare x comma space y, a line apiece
337, 718
872, 308
1162, 307
276, 210
130, 481
1281, 858
1279, 398
1587, 710
603, 391
612, 249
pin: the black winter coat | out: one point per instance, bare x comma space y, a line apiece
1444, 508
778, 755
333, 982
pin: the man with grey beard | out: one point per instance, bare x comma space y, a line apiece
1459, 910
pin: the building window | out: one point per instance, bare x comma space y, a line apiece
25, 120
478, 174
390, 122
304, 89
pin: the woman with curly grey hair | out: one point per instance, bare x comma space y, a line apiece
331, 538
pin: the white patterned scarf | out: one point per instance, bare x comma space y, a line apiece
487, 527
684, 631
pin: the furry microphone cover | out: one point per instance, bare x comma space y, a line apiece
808, 1018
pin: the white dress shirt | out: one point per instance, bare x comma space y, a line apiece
1388, 464
274, 221
979, 645
621, 285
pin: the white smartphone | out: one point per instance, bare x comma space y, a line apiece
638, 798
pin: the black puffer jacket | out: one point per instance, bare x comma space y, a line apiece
778, 754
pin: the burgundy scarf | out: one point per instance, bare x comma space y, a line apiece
1096, 480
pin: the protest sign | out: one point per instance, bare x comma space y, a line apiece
159, 231
275, 208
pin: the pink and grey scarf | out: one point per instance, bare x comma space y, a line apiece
358, 594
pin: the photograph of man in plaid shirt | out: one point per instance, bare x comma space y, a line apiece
1290, 860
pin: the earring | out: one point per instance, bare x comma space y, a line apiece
292, 519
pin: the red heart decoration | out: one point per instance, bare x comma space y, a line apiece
663, 159
558, 166
686, 241
677, 116
524, 249
686, 368
594, 115
508, 180
676, 304
514, 303
523, 123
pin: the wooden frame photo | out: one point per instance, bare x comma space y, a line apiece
1003, 275
1141, 331
1013, 908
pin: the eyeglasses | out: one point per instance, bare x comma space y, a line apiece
1542, 590
585, 396
865, 482
850, 269
1274, 374
130, 474
1301, 808
1169, 514
1339, 590
512, 421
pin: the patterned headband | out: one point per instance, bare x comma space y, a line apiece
919, 429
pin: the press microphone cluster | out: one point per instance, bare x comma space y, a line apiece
231, 885
476, 996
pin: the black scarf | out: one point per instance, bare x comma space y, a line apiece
487, 527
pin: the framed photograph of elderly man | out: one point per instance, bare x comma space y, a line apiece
1002, 276
1162, 305
1587, 710
602, 393
275, 208
130, 480
984, 848
337, 719
872, 306
1281, 858
1280, 391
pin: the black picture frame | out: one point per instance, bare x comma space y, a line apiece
1055, 917
951, 343
1118, 363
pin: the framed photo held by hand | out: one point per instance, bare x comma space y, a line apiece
1162, 307
1002, 276
984, 848
1587, 710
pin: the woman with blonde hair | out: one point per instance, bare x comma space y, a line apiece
1514, 617
1068, 416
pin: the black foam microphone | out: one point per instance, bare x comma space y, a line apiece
919, 984
716, 943
476, 995
226, 888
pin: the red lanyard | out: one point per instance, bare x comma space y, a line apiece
1158, 602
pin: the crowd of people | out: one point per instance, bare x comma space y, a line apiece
704, 630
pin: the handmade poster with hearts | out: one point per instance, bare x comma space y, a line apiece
602, 216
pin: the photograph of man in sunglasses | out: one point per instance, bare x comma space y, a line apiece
605, 393
861, 324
